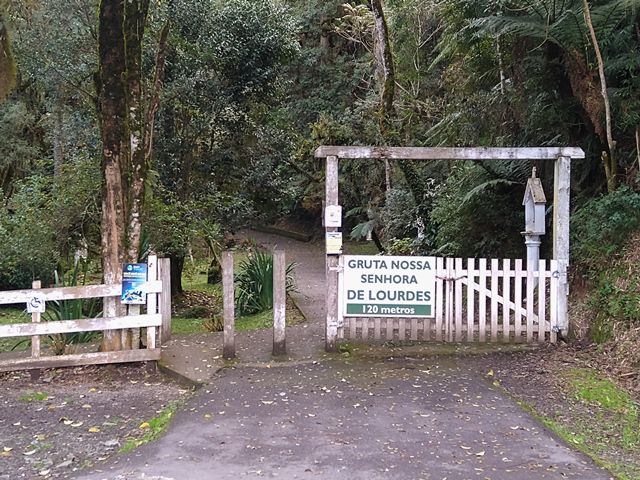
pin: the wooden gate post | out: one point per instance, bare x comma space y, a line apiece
561, 211
331, 333
279, 303
164, 266
228, 298
35, 318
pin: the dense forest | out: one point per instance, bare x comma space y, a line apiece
229, 99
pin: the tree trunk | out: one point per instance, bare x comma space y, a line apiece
608, 158
7, 62
177, 265
135, 19
385, 67
115, 152
122, 120
58, 142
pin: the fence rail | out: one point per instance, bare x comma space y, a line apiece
157, 316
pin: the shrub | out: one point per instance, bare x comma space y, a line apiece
255, 283
602, 225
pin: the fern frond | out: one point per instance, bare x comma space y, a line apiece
479, 189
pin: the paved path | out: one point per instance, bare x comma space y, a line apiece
198, 357
333, 417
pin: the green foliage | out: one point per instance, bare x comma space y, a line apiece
254, 283
475, 215
61, 310
602, 225
10, 316
615, 303
611, 401
27, 240
153, 428
30, 397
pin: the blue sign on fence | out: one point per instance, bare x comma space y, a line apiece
134, 276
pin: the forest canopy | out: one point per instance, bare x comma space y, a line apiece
234, 96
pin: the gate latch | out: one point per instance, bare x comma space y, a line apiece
451, 279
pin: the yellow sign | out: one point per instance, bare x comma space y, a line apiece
334, 243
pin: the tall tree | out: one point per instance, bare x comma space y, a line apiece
122, 122
7, 64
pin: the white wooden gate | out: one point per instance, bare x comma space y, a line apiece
477, 300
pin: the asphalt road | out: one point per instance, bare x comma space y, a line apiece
353, 419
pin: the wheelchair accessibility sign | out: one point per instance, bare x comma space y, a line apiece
36, 304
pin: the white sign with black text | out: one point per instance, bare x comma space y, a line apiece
378, 286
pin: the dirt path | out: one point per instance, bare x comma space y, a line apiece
198, 357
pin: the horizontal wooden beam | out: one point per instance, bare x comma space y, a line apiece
450, 153
83, 325
78, 359
73, 293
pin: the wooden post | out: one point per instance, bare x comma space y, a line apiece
164, 266
331, 198
561, 211
279, 303
35, 318
152, 299
229, 347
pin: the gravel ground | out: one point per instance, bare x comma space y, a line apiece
70, 419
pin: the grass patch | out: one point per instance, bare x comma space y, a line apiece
609, 404
34, 397
153, 428
351, 247
10, 316
253, 322
599, 419
186, 325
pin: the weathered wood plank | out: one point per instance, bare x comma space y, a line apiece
517, 316
471, 298
83, 325
402, 329
439, 302
164, 265
35, 318
561, 223
73, 360
506, 293
542, 301
495, 291
449, 153
72, 293
458, 272
332, 261
228, 312
530, 305
279, 303
152, 300
482, 299
553, 301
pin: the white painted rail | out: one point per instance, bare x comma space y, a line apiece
152, 320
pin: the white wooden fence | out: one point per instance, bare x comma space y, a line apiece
477, 300
152, 320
